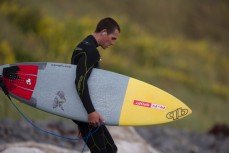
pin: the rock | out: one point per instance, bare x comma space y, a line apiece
22, 150
20, 136
33, 147
180, 141
17, 137
220, 130
129, 141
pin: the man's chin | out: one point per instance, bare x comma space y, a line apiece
105, 47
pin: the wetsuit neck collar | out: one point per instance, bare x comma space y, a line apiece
93, 40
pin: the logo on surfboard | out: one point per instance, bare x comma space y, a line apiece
29, 81
59, 100
176, 114
149, 105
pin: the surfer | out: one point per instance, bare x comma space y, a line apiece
87, 57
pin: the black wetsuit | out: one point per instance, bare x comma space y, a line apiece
87, 57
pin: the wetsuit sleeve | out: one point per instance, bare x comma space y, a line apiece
84, 68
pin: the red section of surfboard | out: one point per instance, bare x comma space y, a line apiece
22, 81
28, 69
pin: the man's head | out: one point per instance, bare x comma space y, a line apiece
107, 32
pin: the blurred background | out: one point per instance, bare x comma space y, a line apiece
180, 46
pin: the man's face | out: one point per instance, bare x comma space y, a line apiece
109, 39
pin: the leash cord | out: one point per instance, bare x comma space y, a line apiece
2, 85
51, 133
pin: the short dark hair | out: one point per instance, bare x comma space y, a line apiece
109, 24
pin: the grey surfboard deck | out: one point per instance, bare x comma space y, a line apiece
55, 92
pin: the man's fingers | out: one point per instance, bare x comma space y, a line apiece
95, 124
95, 119
102, 119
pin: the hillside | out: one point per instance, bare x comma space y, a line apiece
179, 46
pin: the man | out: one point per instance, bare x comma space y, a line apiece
87, 57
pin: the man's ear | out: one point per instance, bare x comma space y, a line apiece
104, 32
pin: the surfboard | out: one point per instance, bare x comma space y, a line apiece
121, 100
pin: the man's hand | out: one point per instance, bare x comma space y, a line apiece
94, 119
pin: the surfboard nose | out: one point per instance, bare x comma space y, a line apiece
145, 104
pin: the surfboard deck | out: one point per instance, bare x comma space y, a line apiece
121, 100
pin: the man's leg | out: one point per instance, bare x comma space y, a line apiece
110, 145
96, 142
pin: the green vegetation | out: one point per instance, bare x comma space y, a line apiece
179, 46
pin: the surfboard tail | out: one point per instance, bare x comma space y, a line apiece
3, 86
20, 80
